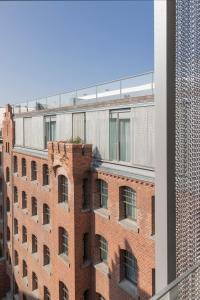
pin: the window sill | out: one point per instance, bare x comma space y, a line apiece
64, 205
16, 237
16, 269
64, 258
47, 268
102, 212
25, 211
25, 178
35, 182
25, 245
46, 188
129, 224
36, 256
16, 204
25, 280
103, 268
35, 293
47, 227
128, 287
35, 218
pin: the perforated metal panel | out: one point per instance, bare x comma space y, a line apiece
188, 143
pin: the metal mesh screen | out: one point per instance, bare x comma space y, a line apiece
188, 141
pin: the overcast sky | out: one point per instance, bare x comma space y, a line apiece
50, 47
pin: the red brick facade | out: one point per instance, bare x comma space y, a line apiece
78, 274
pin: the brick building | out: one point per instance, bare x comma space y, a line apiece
78, 195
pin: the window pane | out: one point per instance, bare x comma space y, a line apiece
113, 138
124, 139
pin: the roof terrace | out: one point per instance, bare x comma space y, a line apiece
138, 85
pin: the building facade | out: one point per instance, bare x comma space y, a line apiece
78, 198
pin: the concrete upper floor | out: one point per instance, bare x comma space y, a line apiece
118, 122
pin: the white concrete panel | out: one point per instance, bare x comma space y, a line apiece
63, 127
37, 132
79, 125
97, 132
27, 132
143, 131
19, 132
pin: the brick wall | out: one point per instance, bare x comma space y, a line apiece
74, 162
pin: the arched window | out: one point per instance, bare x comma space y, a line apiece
63, 241
23, 167
45, 170
46, 214
62, 189
128, 203
34, 206
7, 204
24, 234
46, 253
100, 297
24, 200
15, 194
34, 281
47, 295
102, 194
103, 249
16, 258
63, 291
15, 166
8, 234
34, 244
24, 269
15, 226
129, 268
33, 170
7, 174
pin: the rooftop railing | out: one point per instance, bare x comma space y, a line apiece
185, 287
139, 85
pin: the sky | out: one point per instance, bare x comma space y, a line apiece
51, 47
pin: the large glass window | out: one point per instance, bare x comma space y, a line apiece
119, 135
50, 129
